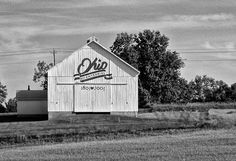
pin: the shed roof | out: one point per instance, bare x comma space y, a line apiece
31, 95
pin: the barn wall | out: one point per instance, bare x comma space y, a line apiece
125, 97
118, 97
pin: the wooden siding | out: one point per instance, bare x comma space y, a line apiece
32, 107
64, 96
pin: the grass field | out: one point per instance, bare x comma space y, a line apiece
81, 128
203, 107
203, 145
85, 127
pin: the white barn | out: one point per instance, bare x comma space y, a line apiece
92, 80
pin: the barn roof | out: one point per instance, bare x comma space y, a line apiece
94, 42
124, 62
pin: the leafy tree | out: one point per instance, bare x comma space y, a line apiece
185, 92
144, 96
233, 91
11, 105
222, 92
159, 68
202, 88
3, 93
2, 108
207, 89
40, 74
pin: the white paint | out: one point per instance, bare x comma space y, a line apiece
119, 94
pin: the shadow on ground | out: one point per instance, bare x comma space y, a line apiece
13, 117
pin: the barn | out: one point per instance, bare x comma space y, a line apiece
92, 80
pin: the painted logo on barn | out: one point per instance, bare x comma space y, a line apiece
88, 70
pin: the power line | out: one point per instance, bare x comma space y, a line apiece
73, 49
25, 50
63, 50
203, 52
5, 55
209, 59
17, 63
34, 53
197, 60
35, 49
223, 48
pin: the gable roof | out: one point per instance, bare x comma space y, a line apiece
93, 42
124, 62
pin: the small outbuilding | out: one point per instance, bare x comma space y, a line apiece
32, 103
92, 80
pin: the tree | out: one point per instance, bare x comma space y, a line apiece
3, 93
159, 68
207, 89
2, 108
40, 74
222, 92
184, 90
11, 105
233, 91
203, 88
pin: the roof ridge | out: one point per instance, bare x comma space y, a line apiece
114, 55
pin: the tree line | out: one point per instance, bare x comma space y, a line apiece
160, 79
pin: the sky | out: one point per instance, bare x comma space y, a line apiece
202, 31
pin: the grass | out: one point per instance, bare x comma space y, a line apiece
204, 145
104, 126
81, 128
201, 107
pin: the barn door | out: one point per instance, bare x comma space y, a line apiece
92, 98
82, 100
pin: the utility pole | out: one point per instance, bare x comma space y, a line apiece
54, 56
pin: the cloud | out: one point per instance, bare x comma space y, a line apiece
88, 3
207, 45
229, 48
229, 45
207, 17
58, 17
131, 2
17, 38
15, 1
101, 25
16, 34
219, 45
214, 17
200, 19
209, 20
223, 50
